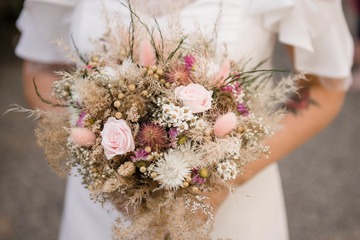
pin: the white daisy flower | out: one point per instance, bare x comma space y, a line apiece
227, 170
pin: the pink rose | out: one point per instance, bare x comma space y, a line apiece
194, 96
117, 138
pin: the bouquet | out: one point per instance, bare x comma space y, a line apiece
156, 119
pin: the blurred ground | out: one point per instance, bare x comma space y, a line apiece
321, 179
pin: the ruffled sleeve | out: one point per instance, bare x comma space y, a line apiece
318, 31
42, 23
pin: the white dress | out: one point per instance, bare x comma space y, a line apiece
250, 28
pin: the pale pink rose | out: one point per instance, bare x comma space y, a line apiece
82, 137
194, 96
225, 124
117, 138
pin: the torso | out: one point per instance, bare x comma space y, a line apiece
239, 30
254, 205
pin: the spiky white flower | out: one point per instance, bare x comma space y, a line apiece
110, 73
172, 170
127, 66
129, 70
193, 158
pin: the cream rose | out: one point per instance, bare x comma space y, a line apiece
194, 96
117, 138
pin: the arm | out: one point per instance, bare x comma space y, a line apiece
297, 129
44, 76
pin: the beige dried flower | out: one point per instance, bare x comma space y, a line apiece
127, 169
53, 140
226, 102
111, 185
137, 101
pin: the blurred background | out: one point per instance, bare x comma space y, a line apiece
321, 179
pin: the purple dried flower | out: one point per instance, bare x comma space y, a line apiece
242, 109
196, 179
139, 154
233, 88
228, 88
80, 121
238, 87
189, 61
173, 133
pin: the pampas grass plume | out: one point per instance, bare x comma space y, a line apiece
223, 73
225, 124
82, 137
147, 54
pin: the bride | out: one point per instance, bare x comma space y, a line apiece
318, 42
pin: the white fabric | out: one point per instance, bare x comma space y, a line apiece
42, 23
82, 218
316, 29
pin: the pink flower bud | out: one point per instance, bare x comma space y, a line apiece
82, 137
225, 124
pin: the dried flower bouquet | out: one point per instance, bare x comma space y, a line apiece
156, 119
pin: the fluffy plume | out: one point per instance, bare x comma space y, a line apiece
225, 124
82, 137
223, 73
147, 54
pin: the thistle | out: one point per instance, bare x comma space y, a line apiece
153, 136
179, 74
